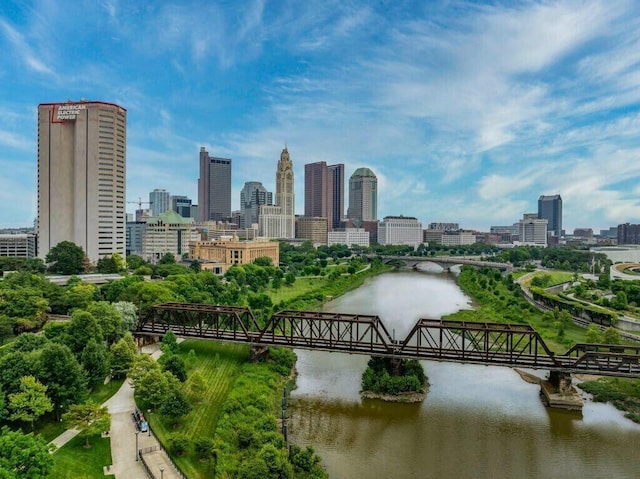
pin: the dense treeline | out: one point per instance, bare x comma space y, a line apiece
248, 442
567, 258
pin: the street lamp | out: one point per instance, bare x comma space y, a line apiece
149, 422
137, 432
161, 472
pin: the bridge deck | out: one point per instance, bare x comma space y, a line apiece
511, 345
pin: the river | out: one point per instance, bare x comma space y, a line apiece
476, 422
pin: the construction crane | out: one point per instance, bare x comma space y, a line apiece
140, 203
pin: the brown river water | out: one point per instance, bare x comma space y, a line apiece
476, 422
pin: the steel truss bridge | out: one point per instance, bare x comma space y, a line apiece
510, 345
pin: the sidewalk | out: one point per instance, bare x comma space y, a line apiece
126, 464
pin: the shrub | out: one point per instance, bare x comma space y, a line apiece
179, 443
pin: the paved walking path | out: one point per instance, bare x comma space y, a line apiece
123, 437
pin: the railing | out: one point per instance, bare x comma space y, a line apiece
511, 345
159, 447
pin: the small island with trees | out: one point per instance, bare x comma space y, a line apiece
398, 380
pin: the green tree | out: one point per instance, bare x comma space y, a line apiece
168, 258
30, 402
204, 447
175, 404
142, 364
263, 261
620, 301
195, 386
65, 379
176, 366
155, 385
6, 328
25, 456
128, 314
289, 278
109, 320
66, 258
179, 443
170, 343
13, 366
3, 406
83, 328
122, 358
90, 418
95, 361
107, 265
78, 296
611, 336
195, 266
593, 334
134, 261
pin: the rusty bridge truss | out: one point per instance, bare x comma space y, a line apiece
511, 345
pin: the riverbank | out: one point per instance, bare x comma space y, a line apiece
498, 301
325, 289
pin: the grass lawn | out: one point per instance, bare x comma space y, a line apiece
220, 365
74, 461
557, 277
300, 287
104, 391
48, 427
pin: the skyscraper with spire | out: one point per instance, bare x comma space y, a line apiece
279, 221
285, 196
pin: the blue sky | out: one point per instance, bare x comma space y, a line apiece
466, 111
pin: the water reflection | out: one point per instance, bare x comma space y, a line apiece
477, 421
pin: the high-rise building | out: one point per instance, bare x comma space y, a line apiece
533, 230
336, 180
252, 196
182, 205
159, 201
628, 233
285, 196
363, 196
324, 192
214, 187
550, 209
82, 151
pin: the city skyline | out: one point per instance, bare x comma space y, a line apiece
466, 112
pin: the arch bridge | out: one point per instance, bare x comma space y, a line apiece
446, 262
510, 345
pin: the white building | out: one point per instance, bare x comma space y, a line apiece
349, 236
168, 233
458, 238
82, 149
18, 245
400, 230
272, 223
533, 230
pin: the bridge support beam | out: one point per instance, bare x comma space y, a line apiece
259, 353
558, 392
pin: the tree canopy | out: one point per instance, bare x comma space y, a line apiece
24, 455
66, 258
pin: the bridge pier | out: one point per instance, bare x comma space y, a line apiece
558, 392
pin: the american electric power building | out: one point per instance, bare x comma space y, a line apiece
82, 153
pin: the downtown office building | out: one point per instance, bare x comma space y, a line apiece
214, 188
82, 150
